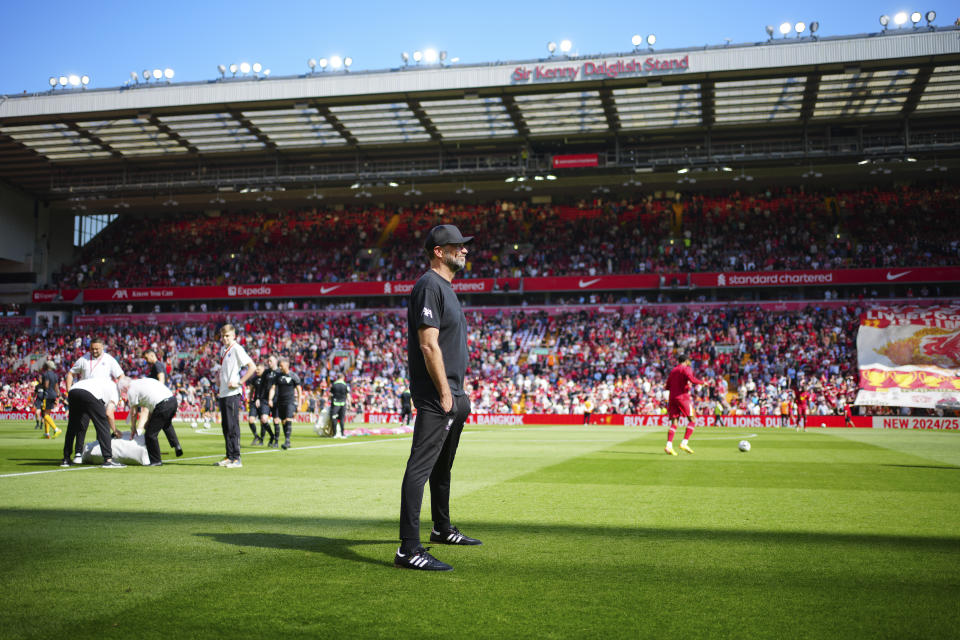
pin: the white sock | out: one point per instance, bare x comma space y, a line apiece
683, 443
669, 445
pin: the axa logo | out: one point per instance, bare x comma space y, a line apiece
121, 294
721, 280
231, 290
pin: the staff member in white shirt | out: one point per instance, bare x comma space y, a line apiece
95, 364
236, 367
93, 399
152, 407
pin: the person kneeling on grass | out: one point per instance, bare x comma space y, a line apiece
152, 407
93, 399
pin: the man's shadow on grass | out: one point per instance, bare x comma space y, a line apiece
333, 547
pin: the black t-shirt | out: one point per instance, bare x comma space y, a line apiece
405, 399
155, 369
50, 383
286, 384
434, 304
338, 392
254, 383
267, 380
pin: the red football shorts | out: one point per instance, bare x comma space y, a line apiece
682, 406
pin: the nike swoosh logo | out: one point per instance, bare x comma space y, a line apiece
894, 276
586, 283
326, 290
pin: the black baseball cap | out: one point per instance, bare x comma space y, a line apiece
445, 234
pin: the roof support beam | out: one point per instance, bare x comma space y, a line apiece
610, 109
337, 125
916, 90
173, 135
708, 103
425, 120
518, 122
92, 137
810, 92
252, 128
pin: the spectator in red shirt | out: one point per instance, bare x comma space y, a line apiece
680, 402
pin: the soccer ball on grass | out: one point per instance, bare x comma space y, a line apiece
744, 446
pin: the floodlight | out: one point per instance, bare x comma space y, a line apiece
510, 179
565, 46
538, 178
900, 19
651, 40
405, 57
222, 69
168, 73
84, 80
393, 184
863, 162
800, 27
552, 47
770, 30
323, 63
146, 74
134, 77
244, 67
550, 176
257, 67
417, 56
814, 26
443, 56
931, 16
234, 68
785, 28
347, 62
53, 81
430, 56
884, 21
74, 80
312, 64
157, 74
683, 170
336, 62
455, 60
63, 81
636, 40
266, 72
915, 17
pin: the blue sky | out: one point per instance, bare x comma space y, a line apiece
106, 40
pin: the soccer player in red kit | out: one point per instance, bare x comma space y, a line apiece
680, 403
803, 401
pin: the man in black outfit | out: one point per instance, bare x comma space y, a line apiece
253, 404
158, 372
285, 398
339, 392
406, 410
267, 380
437, 360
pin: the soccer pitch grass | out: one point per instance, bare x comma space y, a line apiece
588, 532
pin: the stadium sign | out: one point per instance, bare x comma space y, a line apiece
739, 279
599, 69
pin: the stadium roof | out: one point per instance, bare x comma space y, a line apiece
757, 108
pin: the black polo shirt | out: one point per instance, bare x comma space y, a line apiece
434, 304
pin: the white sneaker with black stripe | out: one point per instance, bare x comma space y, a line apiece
452, 536
419, 560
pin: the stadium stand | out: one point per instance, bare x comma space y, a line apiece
736, 232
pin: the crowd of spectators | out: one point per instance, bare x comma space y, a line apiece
521, 360
786, 229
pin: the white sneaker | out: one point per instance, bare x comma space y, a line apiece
78, 459
234, 464
222, 463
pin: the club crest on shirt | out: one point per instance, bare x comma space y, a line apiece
427, 313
